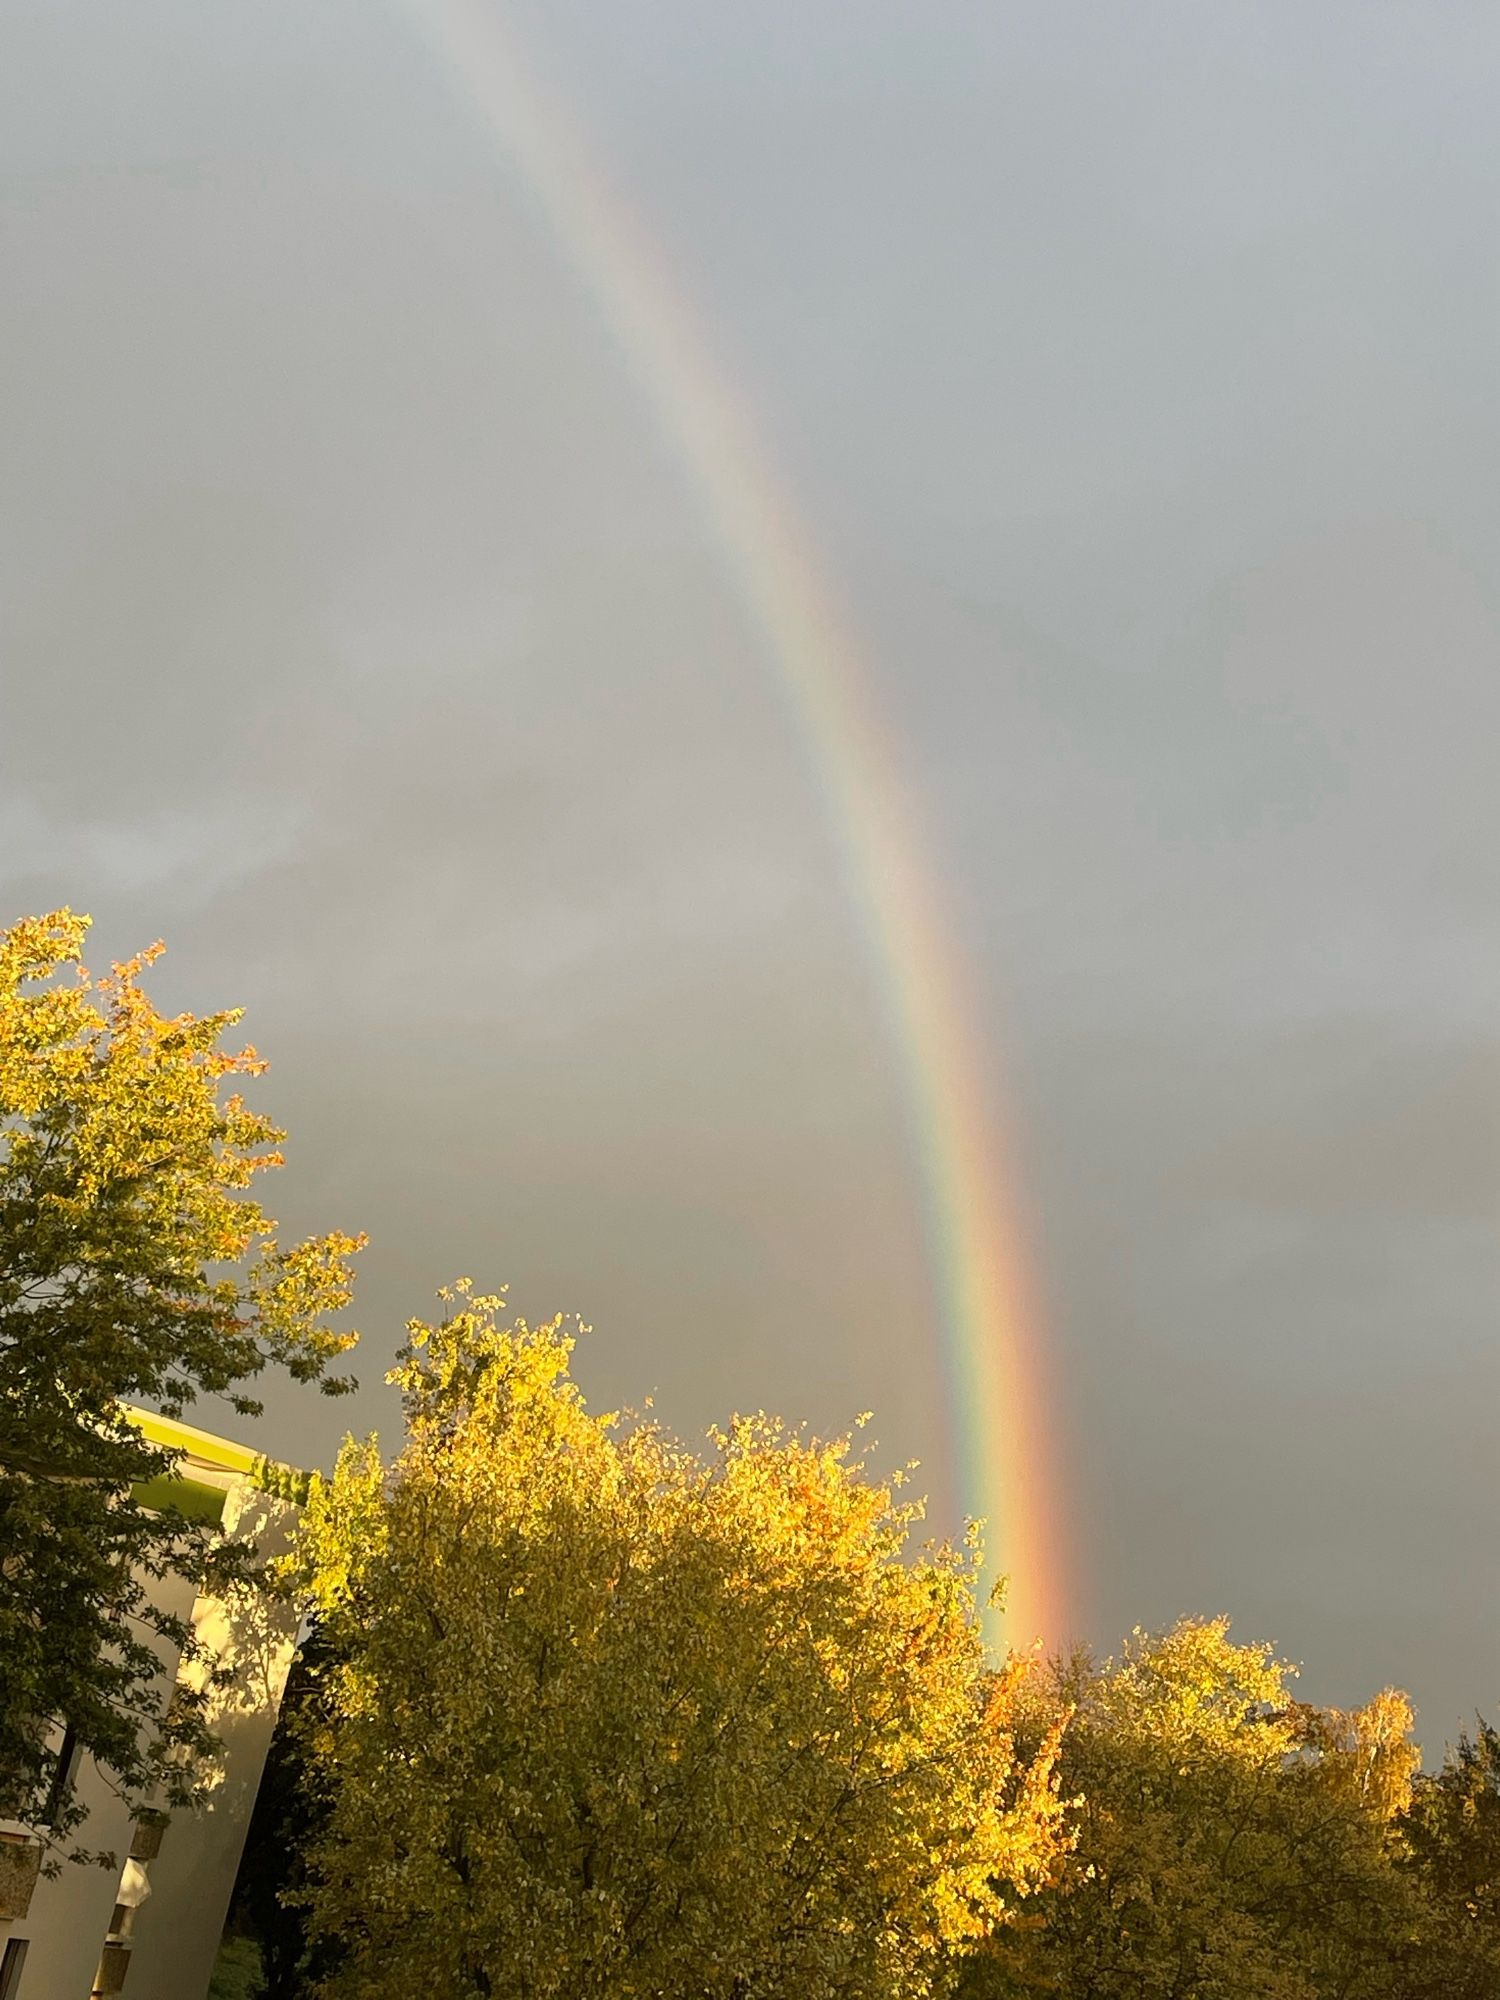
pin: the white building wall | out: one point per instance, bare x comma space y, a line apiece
177, 1928
68, 1918
69, 1915
177, 1932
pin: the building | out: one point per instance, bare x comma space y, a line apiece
157, 1920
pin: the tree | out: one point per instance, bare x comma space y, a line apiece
134, 1265
605, 1717
1232, 1844
1452, 1829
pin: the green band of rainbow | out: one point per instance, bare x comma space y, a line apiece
991, 1332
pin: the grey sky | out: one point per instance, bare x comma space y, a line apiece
1136, 369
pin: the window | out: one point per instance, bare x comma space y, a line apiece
10, 1968
63, 1773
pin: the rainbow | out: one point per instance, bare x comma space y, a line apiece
991, 1330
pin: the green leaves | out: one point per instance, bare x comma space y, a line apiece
134, 1265
1452, 1835
1232, 1842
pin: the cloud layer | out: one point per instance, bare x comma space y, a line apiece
1138, 376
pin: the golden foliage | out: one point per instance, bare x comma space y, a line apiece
609, 1717
1233, 1843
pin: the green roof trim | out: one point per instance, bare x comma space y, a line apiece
190, 1498
178, 1436
179, 1490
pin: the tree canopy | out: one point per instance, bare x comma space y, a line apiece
604, 1716
590, 1714
135, 1265
1233, 1843
1452, 1829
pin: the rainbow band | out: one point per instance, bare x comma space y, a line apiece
990, 1331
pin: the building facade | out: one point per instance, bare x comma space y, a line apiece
155, 1920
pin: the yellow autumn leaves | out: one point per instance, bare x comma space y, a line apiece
608, 1716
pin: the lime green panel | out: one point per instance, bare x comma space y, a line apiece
188, 1497
178, 1436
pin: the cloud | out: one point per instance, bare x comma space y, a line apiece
360, 638
179, 859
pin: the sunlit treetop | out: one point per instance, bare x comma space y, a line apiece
136, 1265
627, 1718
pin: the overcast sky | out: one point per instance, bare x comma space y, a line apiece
1136, 371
